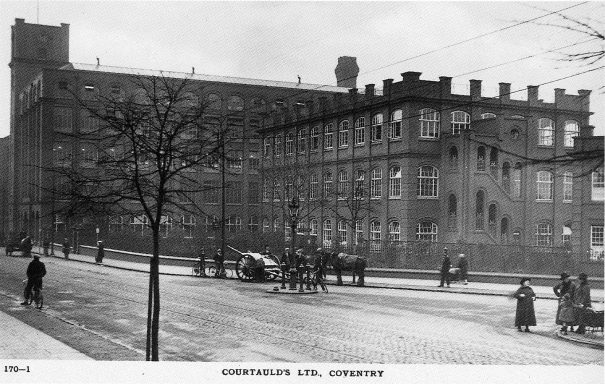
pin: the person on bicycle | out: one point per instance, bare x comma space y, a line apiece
35, 272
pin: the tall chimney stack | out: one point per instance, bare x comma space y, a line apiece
346, 72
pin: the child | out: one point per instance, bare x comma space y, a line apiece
525, 315
566, 313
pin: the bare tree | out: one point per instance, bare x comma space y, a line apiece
141, 153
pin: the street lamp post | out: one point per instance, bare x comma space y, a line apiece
293, 208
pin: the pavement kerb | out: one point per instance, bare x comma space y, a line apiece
576, 339
471, 291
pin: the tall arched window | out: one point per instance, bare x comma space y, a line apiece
572, 129
314, 138
376, 184
328, 185
428, 182
544, 185
546, 130
395, 182
506, 176
454, 156
342, 233
480, 210
302, 140
275, 224
493, 162
504, 224
343, 184
481, 158
375, 236
327, 233
429, 123
360, 185
517, 180
343, 134
395, 124
567, 187
289, 144
329, 136
360, 131
460, 121
313, 227
394, 231
492, 212
313, 187
376, 129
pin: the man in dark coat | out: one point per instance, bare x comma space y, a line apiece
35, 272
100, 252
581, 301
565, 286
446, 264
66, 248
219, 260
463, 266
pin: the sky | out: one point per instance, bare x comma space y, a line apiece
281, 40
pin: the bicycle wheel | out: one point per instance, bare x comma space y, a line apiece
211, 271
195, 270
323, 285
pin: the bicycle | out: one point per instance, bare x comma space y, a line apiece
209, 271
35, 295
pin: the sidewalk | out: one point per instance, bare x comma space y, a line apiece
22, 342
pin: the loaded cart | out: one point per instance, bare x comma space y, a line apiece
248, 261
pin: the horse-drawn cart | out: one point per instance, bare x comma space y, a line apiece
248, 262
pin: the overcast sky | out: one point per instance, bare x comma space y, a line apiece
280, 40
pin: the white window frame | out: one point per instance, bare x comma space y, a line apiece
430, 123
302, 140
289, 144
328, 136
395, 182
544, 186
461, 121
567, 187
342, 188
428, 182
376, 183
326, 233
427, 231
376, 128
394, 231
395, 126
328, 180
375, 236
546, 131
543, 235
597, 250
360, 131
342, 233
314, 144
188, 226
313, 227
277, 149
598, 185
313, 186
343, 134
571, 130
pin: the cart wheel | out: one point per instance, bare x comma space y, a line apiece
244, 268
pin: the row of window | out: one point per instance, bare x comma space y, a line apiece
345, 188
429, 128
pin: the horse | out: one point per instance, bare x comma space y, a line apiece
345, 262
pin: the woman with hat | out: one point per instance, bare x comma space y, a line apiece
565, 286
525, 315
581, 301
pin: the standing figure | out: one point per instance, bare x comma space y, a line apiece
26, 246
525, 315
202, 263
565, 286
66, 248
463, 266
100, 252
566, 314
446, 264
219, 259
35, 272
581, 301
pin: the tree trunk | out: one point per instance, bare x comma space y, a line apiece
149, 312
155, 272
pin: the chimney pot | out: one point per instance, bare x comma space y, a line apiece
346, 72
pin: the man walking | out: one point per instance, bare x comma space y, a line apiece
446, 264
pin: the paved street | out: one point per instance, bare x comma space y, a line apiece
102, 311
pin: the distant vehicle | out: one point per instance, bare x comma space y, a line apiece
12, 245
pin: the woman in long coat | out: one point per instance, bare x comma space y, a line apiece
565, 286
525, 315
581, 301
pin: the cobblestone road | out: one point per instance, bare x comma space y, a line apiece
102, 312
